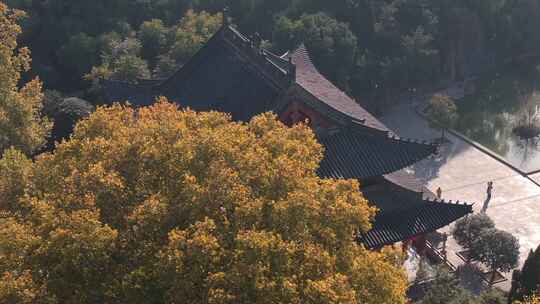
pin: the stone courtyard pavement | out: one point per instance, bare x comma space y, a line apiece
462, 172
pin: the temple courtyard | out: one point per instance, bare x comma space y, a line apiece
463, 171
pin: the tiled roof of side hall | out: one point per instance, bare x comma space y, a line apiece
413, 218
406, 209
349, 154
309, 78
119, 91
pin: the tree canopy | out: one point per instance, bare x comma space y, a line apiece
442, 112
497, 249
166, 206
331, 43
526, 282
445, 288
21, 124
397, 44
533, 299
468, 229
155, 50
192, 33
65, 112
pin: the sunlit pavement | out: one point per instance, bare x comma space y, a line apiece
462, 172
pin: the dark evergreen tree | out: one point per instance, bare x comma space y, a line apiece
527, 280
65, 113
497, 249
468, 229
446, 289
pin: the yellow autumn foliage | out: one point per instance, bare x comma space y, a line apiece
21, 124
163, 205
533, 299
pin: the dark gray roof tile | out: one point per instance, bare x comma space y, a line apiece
352, 155
410, 217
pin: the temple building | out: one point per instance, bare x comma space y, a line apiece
233, 74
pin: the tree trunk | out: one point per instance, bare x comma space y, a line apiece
492, 279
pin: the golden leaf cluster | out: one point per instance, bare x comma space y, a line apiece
162, 205
21, 124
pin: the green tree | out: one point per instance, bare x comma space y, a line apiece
53, 24
468, 229
498, 249
492, 296
527, 280
517, 30
79, 54
65, 114
423, 271
21, 124
121, 61
165, 67
130, 68
255, 15
446, 289
332, 44
193, 31
421, 56
162, 205
442, 112
153, 37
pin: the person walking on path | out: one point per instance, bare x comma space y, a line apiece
489, 191
439, 193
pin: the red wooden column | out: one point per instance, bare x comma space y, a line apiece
405, 244
419, 243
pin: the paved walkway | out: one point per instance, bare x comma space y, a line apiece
463, 171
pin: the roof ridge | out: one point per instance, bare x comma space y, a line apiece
227, 33
339, 130
449, 202
302, 50
413, 140
394, 137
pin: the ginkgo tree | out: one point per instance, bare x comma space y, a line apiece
162, 205
21, 124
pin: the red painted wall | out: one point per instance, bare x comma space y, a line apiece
298, 112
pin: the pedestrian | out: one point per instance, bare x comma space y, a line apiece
489, 190
439, 193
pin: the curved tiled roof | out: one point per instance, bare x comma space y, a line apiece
349, 154
405, 213
309, 78
427, 216
233, 75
